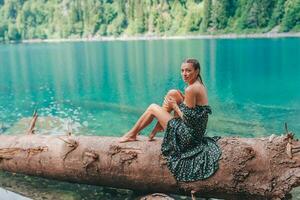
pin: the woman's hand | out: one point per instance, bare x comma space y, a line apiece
172, 104
169, 102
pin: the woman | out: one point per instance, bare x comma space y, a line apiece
190, 154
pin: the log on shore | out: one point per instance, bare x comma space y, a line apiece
253, 168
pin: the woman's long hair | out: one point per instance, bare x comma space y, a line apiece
195, 63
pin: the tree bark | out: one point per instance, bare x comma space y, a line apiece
253, 168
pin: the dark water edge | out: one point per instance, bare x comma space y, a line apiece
38, 188
41, 188
24, 187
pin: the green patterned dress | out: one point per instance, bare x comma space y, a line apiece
190, 154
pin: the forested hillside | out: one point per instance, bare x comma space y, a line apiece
41, 19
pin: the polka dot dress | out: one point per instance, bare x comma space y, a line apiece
190, 154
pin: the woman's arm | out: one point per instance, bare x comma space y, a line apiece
177, 111
190, 98
182, 95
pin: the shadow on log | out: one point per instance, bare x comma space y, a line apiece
253, 168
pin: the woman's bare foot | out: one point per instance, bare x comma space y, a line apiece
128, 137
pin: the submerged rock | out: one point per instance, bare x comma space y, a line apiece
3, 127
157, 196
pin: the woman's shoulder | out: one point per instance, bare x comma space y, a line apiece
190, 90
194, 88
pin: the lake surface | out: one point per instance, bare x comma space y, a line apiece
101, 88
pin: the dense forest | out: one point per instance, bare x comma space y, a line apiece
42, 19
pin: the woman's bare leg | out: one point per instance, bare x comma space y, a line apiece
178, 97
153, 111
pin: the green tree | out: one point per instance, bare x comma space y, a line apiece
139, 15
291, 16
256, 14
178, 13
221, 11
13, 33
29, 19
277, 13
206, 15
193, 17
3, 30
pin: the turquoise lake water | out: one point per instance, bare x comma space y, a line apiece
101, 88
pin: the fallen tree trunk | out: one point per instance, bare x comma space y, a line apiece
260, 168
